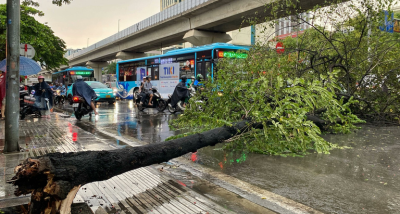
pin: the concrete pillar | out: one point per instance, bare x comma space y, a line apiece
199, 38
124, 55
97, 66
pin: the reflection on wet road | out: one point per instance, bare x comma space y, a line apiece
364, 179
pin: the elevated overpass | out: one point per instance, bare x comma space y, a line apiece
196, 21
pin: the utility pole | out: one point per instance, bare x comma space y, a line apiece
12, 86
87, 44
118, 24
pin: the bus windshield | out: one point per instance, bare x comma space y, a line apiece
96, 85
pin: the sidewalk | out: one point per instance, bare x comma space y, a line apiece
144, 190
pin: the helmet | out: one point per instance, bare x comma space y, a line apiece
183, 77
40, 77
199, 76
79, 77
191, 77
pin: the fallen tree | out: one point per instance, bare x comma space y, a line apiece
54, 179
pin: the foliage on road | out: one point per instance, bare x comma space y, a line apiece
335, 70
49, 48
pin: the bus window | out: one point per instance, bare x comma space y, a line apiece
207, 70
127, 74
156, 73
185, 69
204, 68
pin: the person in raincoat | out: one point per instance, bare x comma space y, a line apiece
2, 93
82, 89
62, 89
181, 92
43, 97
198, 83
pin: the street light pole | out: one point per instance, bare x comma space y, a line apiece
12, 87
87, 43
118, 24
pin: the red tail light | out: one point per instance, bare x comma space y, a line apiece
76, 99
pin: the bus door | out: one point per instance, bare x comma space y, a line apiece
154, 72
204, 68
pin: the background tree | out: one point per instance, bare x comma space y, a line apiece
111, 68
49, 48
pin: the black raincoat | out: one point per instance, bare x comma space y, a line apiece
82, 89
41, 96
180, 92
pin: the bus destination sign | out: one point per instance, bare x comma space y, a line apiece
80, 72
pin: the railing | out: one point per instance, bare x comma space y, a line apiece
152, 20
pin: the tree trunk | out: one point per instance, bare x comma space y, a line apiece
54, 179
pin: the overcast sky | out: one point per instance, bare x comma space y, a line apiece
93, 19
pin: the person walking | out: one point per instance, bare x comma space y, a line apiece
2, 93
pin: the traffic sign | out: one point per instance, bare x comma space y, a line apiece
26, 50
389, 23
279, 48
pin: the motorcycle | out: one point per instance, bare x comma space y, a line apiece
29, 106
158, 103
58, 97
180, 104
81, 107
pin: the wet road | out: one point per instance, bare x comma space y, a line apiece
363, 179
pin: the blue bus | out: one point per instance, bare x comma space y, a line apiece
165, 70
68, 76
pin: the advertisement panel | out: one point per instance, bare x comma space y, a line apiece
396, 26
169, 78
169, 71
141, 72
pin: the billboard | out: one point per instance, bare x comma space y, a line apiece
169, 71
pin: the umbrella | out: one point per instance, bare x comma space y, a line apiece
26, 66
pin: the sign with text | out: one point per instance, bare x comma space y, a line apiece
168, 86
169, 71
387, 25
27, 50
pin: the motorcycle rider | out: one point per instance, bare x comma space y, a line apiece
181, 92
82, 89
197, 82
147, 87
43, 97
62, 89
